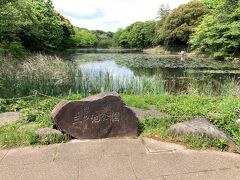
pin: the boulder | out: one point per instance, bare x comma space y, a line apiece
203, 56
47, 132
8, 117
236, 61
198, 126
238, 122
142, 113
100, 116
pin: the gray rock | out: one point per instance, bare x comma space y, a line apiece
142, 113
101, 116
45, 132
198, 126
8, 117
238, 122
203, 56
236, 61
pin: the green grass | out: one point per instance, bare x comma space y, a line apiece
222, 112
34, 115
52, 76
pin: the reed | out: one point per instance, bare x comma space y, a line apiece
52, 76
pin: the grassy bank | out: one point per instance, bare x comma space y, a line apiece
52, 76
222, 111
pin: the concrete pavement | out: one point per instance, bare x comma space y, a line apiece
116, 159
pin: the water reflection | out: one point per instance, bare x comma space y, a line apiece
174, 79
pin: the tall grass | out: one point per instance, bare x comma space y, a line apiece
52, 76
46, 74
226, 87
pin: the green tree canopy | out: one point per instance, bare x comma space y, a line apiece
219, 32
33, 24
84, 38
178, 26
137, 35
163, 11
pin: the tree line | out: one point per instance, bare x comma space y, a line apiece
203, 26
35, 26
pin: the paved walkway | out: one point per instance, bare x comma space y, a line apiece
116, 159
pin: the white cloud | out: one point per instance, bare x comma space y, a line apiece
109, 15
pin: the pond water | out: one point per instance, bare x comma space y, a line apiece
168, 74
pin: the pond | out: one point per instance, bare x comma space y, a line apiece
138, 72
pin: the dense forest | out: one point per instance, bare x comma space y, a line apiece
202, 26
208, 26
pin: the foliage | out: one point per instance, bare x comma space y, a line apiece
35, 115
182, 108
121, 38
34, 25
84, 38
137, 35
219, 32
177, 27
163, 12
47, 74
105, 39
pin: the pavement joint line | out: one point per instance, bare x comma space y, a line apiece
4, 156
130, 161
55, 154
78, 173
203, 171
20, 176
158, 152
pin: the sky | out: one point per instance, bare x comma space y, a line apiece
110, 15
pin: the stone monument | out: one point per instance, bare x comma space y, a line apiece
101, 116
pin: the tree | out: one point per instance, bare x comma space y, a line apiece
48, 30
105, 39
163, 11
137, 35
142, 34
219, 32
178, 26
33, 25
84, 38
121, 38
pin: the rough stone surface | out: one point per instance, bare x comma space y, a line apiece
199, 126
100, 116
116, 159
43, 132
142, 113
238, 122
236, 61
8, 117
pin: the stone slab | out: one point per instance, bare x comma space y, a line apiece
8, 117
108, 168
116, 159
154, 146
10, 172
52, 171
233, 174
198, 126
45, 132
142, 114
3, 154
101, 116
79, 150
165, 164
30, 155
